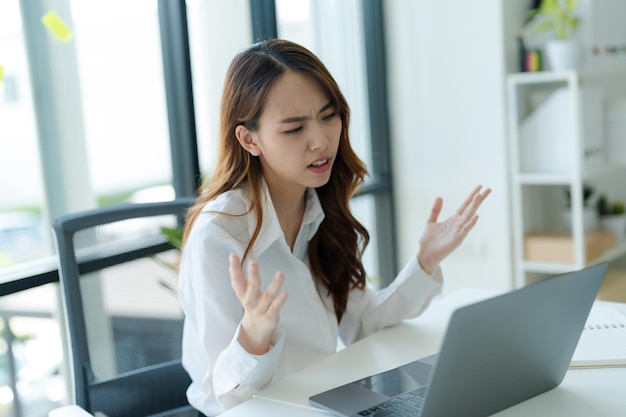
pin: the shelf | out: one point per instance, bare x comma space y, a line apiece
614, 253
561, 268
539, 178
547, 267
577, 98
543, 179
544, 77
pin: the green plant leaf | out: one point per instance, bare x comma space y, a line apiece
174, 235
166, 264
587, 191
557, 16
618, 207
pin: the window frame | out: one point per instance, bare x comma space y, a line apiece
59, 185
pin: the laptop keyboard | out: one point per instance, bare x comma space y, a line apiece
408, 404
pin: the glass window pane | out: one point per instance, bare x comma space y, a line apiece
139, 327
364, 209
218, 30
33, 378
123, 96
294, 21
23, 235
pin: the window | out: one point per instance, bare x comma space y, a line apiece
118, 51
33, 374
95, 131
211, 53
22, 227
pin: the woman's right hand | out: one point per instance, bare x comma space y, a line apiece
261, 308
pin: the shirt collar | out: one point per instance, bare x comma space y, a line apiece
270, 228
313, 213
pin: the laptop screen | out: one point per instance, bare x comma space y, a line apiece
496, 353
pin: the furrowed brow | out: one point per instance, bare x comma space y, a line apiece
296, 119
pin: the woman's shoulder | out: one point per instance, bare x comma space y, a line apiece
227, 213
232, 202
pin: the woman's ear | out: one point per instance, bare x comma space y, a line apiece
247, 140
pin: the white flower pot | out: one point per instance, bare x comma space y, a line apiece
590, 219
616, 224
563, 55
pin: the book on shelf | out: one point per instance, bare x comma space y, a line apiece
603, 340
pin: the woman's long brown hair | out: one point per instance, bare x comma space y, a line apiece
335, 252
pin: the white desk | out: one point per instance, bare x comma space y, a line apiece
583, 392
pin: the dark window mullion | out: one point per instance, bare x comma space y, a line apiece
179, 96
263, 14
375, 61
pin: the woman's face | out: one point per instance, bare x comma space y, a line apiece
298, 135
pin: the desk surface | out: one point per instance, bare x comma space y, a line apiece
583, 392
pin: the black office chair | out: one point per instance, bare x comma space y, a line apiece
122, 314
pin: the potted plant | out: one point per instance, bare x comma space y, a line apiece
612, 217
174, 235
559, 17
590, 213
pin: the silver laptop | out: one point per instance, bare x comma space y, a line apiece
495, 353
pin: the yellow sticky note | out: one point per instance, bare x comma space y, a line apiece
1, 74
58, 28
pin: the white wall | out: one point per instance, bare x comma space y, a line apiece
446, 73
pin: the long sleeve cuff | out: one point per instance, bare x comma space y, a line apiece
238, 374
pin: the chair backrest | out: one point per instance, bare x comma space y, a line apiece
122, 314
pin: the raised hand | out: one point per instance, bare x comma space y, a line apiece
438, 240
261, 308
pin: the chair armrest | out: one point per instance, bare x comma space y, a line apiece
69, 411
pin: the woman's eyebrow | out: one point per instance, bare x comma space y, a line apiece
302, 118
326, 106
294, 119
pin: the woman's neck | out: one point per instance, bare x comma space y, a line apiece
289, 207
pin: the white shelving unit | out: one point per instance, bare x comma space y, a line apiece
536, 190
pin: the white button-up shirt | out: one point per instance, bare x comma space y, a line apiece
223, 373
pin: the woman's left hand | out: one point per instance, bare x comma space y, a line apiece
438, 240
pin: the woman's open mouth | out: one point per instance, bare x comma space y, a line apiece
320, 165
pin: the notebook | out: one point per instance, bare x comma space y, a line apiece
603, 340
495, 354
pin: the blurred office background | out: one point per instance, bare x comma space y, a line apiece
115, 115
